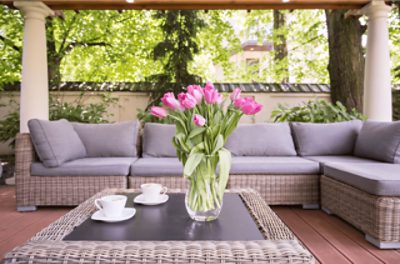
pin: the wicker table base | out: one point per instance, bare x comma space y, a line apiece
280, 245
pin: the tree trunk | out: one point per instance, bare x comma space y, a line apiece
53, 58
280, 47
346, 61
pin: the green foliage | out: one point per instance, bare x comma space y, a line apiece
76, 111
79, 111
394, 36
176, 51
9, 127
108, 46
318, 111
111, 46
10, 45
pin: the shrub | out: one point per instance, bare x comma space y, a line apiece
76, 111
318, 111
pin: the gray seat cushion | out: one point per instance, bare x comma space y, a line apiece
157, 167
326, 139
116, 166
55, 142
264, 139
375, 178
323, 160
273, 165
109, 140
380, 141
157, 140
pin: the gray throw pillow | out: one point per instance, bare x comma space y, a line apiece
157, 140
109, 140
264, 139
326, 139
379, 141
55, 142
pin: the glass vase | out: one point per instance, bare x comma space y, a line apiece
204, 196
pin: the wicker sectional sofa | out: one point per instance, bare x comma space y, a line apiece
349, 168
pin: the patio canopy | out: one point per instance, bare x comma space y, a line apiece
34, 84
200, 4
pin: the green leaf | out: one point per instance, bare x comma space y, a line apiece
197, 131
198, 148
219, 143
224, 168
192, 163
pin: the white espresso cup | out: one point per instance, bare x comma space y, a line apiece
152, 191
111, 205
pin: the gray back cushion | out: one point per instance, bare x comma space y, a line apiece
55, 142
326, 139
157, 140
264, 139
379, 141
109, 140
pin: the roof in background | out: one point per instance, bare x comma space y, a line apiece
222, 87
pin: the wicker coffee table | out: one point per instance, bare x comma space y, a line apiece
49, 245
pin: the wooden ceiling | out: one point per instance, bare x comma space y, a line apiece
199, 4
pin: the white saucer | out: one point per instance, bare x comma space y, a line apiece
126, 214
140, 200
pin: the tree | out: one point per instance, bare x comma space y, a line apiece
176, 51
306, 42
10, 45
85, 46
280, 47
346, 61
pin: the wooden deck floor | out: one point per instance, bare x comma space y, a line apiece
330, 239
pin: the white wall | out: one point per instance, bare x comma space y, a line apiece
129, 103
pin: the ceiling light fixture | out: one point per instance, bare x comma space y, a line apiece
285, 1
130, 1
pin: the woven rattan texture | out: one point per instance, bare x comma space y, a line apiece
275, 189
281, 189
377, 216
173, 182
280, 247
53, 190
65, 190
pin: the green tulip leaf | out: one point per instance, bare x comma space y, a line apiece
192, 163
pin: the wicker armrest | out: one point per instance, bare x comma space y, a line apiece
24, 156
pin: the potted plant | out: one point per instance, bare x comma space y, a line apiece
203, 124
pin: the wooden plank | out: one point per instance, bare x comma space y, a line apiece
22, 226
21, 235
200, 4
322, 224
386, 256
318, 245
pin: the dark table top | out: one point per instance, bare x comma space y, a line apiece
170, 221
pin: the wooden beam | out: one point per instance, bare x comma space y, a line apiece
199, 4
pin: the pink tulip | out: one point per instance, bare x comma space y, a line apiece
181, 96
250, 107
158, 112
239, 102
196, 91
187, 100
199, 120
235, 94
211, 95
170, 101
